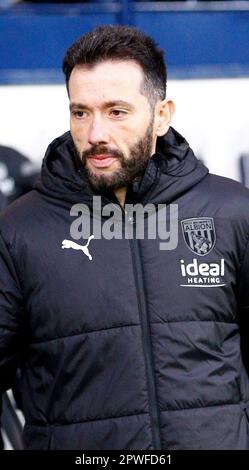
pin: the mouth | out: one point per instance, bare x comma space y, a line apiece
102, 160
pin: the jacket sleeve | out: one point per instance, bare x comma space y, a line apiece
11, 323
243, 307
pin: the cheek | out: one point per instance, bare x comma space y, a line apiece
126, 134
78, 132
134, 135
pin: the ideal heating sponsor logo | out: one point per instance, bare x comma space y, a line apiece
198, 274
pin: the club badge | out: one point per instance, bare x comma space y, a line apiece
199, 234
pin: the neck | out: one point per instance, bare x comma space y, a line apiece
120, 194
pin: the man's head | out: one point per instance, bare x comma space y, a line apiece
116, 81
121, 43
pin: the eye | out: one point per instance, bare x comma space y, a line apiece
79, 114
117, 112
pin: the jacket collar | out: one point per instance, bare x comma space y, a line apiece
171, 171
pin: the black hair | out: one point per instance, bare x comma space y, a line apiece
112, 42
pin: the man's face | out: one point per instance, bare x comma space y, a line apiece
111, 122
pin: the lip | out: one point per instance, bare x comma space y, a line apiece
102, 161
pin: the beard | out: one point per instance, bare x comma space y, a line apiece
130, 169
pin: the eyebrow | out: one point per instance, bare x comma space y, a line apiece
106, 104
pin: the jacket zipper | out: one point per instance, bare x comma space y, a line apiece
147, 346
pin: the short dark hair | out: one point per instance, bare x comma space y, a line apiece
121, 43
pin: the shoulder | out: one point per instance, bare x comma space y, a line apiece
223, 183
228, 197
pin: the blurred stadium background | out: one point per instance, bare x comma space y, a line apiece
207, 52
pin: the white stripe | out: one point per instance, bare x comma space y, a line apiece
201, 285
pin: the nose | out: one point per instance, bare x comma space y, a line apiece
98, 132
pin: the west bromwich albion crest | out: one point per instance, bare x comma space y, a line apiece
199, 234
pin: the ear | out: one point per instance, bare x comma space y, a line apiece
164, 112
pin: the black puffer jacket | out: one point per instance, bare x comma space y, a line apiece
138, 348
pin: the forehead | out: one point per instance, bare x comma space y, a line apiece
109, 79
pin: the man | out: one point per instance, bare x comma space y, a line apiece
125, 344
17, 174
2, 204
17, 177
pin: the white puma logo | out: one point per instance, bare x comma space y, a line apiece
75, 246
